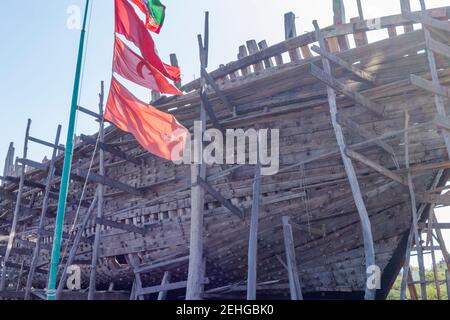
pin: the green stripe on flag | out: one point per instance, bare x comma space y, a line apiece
157, 11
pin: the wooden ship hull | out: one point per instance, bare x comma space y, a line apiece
147, 207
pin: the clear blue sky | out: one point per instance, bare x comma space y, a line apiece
38, 52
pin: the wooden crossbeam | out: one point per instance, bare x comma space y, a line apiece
430, 86
344, 64
122, 226
355, 127
111, 149
375, 166
90, 113
45, 143
27, 183
163, 264
439, 47
344, 89
225, 202
434, 199
166, 287
435, 225
427, 20
219, 92
65, 236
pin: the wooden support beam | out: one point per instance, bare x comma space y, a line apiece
434, 225
222, 97
427, 21
159, 265
47, 144
289, 247
210, 111
167, 287
373, 107
437, 199
162, 295
74, 248
344, 64
106, 181
411, 287
291, 32
355, 127
339, 19
122, 226
12, 234
268, 61
252, 269
439, 48
375, 166
110, 149
430, 86
361, 36
241, 55
226, 203
369, 251
174, 62
9, 162
252, 47
90, 113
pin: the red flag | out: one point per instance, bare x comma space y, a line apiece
158, 132
132, 27
132, 67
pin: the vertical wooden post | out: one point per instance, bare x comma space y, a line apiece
267, 62
73, 250
291, 32
48, 187
435, 271
447, 282
174, 62
19, 277
166, 279
12, 233
339, 18
360, 37
195, 281
289, 247
252, 49
242, 54
253, 239
100, 192
7, 171
411, 286
369, 250
406, 5
414, 213
406, 266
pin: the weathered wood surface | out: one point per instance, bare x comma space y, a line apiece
285, 97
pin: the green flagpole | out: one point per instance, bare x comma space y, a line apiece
64, 188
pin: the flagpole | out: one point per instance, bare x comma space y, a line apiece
56, 249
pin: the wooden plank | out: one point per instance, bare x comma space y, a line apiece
375, 166
252, 268
219, 92
359, 37
289, 247
369, 250
291, 32
406, 5
226, 203
434, 225
167, 287
121, 226
437, 199
355, 127
427, 21
12, 233
110, 149
439, 48
344, 89
242, 54
344, 64
430, 86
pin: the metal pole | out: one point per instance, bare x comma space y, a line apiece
64, 188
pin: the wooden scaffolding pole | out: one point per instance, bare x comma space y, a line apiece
289, 247
195, 283
415, 219
100, 193
48, 187
369, 250
253, 237
12, 233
